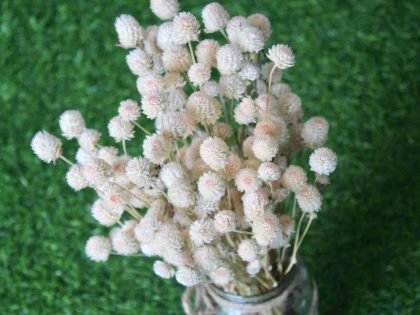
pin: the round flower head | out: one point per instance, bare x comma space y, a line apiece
315, 132
309, 198
129, 110
249, 72
222, 131
215, 17
98, 248
187, 276
203, 108
253, 267
120, 129
323, 161
255, 204
156, 148
225, 221
140, 171
207, 257
248, 250
150, 45
177, 97
89, 139
232, 86
171, 174
150, 84
229, 59
211, 186
278, 89
292, 107
164, 9
139, 62
72, 124
130, 33
222, 276
265, 148
262, 23
247, 147
204, 206
75, 178
206, 52
251, 39
235, 27
266, 229
233, 165
171, 124
287, 224
214, 152
84, 156
245, 112
181, 195
169, 237
176, 59
105, 213
282, 56
199, 73
269, 172
269, 128
202, 231
185, 28
96, 171
46, 146
164, 36
294, 178
247, 180
163, 270
123, 239
154, 105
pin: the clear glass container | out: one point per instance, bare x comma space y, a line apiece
296, 294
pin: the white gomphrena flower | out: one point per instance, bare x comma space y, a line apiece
75, 178
98, 248
315, 132
181, 195
150, 45
113, 194
89, 139
232, 86
211, 186
206, 52
204, 206
130, 33
168, 237
175, 83
214, 152
278, 89
164, 35
171, 124
287, 224
199, 73
266, 70
72, 124
294, 178
105, 213
251, 39
154, 105
46, 146
323, 161
129, 110
222, 130
211, 88
269, 172
248, 250
176, 59
96, 171
247, 147
269, 128
164, 9
123, 240
255, 204
156, 148
262, 23
171, 174
253, 267
282, 56
266, 229
233, 165
245, 112
249, 72
185, 28
203, 108
222, 276
140, 171
120, 129
235, 27
202, 231
266, 110
309, 198
150, 84
229, 59
207, 257
291, 107
247, 180
84, 156
265, 148
225, 221
163, 270
139, 62
187, 276
215, 17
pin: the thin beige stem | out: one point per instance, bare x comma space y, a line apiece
66, 160
191, 52
147, 132
269, 85
311, 218
124, 147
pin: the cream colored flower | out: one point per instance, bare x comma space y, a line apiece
214, 151
229, 59
98, 248
225, 221
130, 33
294, 178
211, 186
46, 146
199, 73
164, 9
309, 198
176, 59
139, 62
185, 28
262, 23
315, 132
72, 124
120, 129
215, 17
323, 161
282, 56
206, 52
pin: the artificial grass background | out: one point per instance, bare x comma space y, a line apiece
357, 65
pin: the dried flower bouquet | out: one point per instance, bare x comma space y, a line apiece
209, 194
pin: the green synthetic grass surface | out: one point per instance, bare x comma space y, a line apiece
357, 65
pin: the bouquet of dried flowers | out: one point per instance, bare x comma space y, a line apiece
216, 195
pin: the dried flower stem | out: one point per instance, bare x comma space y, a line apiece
147, 132
66, 160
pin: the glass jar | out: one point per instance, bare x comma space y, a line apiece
296, 294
